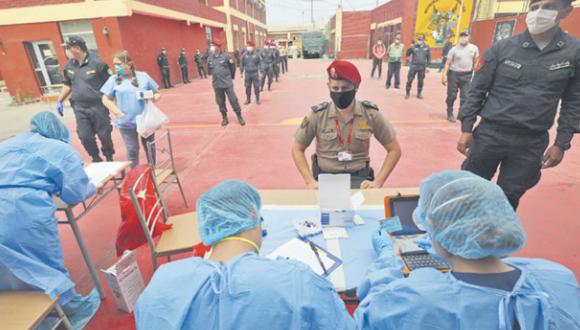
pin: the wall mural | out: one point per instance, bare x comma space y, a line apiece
438, 19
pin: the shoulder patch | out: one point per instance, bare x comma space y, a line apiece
370, 105
320, 107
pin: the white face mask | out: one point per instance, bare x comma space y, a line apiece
541, 20
250, 49
212, 49
69, 54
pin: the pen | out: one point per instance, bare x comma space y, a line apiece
318, 257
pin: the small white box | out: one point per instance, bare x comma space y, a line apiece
334, 200
125, 281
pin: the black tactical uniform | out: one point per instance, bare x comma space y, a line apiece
200, 62
182, 60
421, 60
85, 80
276, 64
223, 71
516, 94
250, 64
163, 64
266, 66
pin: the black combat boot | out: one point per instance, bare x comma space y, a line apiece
241, 119
450, 117
225, 121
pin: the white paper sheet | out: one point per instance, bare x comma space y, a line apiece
299, 250
357, 200
100, 173
334, 232
334, 191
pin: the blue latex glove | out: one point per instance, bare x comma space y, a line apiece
60, 108
382, 242
425, 243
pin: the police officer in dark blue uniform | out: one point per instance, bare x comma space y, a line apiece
182, 61
223, 72
84, 75
516, 93
163, 63
267, 65
421, 54
250, 64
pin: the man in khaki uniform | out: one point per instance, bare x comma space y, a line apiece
343, 132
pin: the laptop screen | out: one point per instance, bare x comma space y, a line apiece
403, 207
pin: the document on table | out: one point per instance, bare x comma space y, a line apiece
100, 173
297, 249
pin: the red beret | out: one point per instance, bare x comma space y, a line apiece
344, 70
251, 43
216, 42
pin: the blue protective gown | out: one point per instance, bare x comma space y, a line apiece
545, 297
32, 169
249, 292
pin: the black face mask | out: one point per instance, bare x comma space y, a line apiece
342, 99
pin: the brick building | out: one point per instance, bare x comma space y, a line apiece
352, 34
31, 32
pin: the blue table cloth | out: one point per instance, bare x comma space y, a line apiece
356, 250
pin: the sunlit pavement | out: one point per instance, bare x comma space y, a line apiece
260, 154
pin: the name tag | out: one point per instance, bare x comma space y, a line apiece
561, 65
344, 156
512, 64
91, 72
70, 72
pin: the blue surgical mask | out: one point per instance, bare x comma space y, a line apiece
120, 69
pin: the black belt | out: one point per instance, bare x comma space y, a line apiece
462, 73
511, 129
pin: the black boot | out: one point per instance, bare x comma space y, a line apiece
247, 101
257, 100
241, 119
225, 121
419, 94
407, 95
450, 117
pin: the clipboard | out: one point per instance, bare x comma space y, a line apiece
300, 249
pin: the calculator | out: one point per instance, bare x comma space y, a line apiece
422, 259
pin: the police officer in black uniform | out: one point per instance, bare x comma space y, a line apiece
200, 62
421, 54
163, 64
277, 61
266, 65
84, 75
223, 71
182, 61
516, 93
250, 64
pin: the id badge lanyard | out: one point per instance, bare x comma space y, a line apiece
346, 154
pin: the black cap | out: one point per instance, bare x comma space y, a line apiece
74, 41
464, 33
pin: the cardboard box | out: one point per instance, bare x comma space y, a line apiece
125, 281
334, 200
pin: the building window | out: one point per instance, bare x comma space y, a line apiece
81, 28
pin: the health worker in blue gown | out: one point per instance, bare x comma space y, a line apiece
472, 225
236, 288
35, 166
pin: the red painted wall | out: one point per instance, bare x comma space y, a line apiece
29, 3
144, 36
355, 34
15, 64
482, 31
192, 7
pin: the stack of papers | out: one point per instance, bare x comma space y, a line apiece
297, 249
100, 173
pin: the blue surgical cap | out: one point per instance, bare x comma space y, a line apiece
229, 208
48, 125
469, 216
